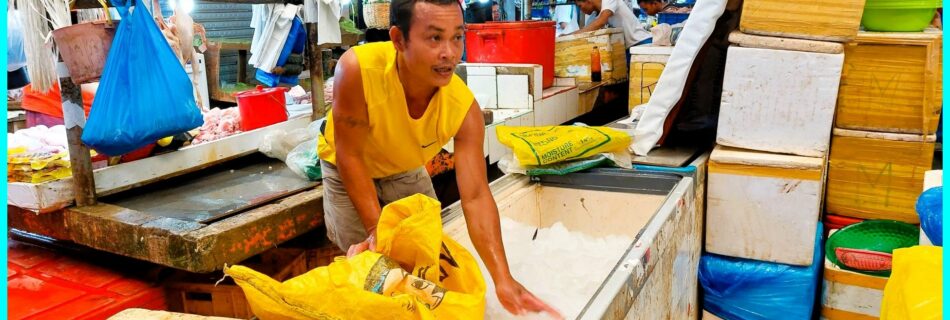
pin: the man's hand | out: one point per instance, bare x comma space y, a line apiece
517, 300
368, 244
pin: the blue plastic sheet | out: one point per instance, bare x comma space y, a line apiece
930, 210
296, 42
144, 93
741, 289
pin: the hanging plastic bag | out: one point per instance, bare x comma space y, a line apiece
304, 161
445, 282
16, 56
930, 209
290, 61
144, 93
914, 288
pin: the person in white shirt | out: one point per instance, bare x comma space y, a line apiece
566, 18
618, 15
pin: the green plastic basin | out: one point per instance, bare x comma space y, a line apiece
897, 20
874, 235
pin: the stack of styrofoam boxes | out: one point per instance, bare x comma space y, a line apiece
510, 91
767, 175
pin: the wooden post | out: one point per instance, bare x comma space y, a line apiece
315, 58
74, 116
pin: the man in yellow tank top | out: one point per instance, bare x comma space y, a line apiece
395, 105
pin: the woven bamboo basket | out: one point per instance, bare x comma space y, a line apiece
376, 14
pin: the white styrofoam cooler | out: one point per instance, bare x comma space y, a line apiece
779, 100
763, 206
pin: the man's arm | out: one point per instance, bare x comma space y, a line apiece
351, 127
481, 216
598, 23
478, 205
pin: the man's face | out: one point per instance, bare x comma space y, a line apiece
434, 44
586, 6
651, 8
495, 13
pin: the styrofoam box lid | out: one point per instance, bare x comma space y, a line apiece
722, 154
651, 50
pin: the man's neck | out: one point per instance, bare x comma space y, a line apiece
417, 94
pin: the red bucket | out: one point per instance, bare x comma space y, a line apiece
261, 107
513, 42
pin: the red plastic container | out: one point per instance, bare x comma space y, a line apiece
513, 42
261, 107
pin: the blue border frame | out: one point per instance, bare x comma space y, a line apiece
3, 257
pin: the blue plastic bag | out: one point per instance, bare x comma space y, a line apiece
742, 289
296, 43
16, 56
144, 93
930, 209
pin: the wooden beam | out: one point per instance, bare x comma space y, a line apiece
74, 117
189, 245
51, 224
315, 59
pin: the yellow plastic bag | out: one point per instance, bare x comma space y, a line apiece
445, 282
537, 146
914, 290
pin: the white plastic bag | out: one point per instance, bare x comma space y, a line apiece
304, 161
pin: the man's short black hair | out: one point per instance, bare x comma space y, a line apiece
400, 12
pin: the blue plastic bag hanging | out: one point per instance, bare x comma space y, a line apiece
295, 44
144, 93
16, 57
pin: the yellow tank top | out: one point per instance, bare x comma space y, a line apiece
398, 143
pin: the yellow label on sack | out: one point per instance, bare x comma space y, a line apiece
536, 146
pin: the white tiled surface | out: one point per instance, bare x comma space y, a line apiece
558, 108
485, 89
513, 91
480, 71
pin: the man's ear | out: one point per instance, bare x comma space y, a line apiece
398, 38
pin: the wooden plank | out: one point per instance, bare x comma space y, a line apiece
54, 195
51, 224
192, 246
827, 21
754, 41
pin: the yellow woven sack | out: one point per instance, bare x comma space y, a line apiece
537, 146
445, 282
914, 290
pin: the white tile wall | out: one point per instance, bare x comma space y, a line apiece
485, 89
